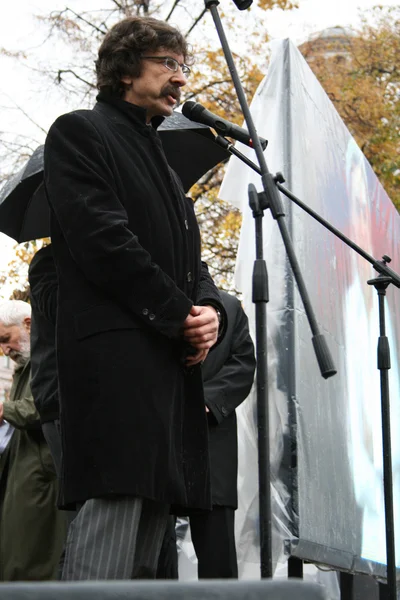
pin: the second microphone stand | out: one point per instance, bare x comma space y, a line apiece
386, 277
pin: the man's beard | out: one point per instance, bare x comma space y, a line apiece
22, 356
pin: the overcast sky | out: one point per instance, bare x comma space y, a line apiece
19, 30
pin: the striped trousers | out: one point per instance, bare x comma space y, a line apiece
115, 538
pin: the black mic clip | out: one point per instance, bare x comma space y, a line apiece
243, 4
240, 4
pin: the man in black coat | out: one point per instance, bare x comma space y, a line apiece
44, 384
137, 311
228, 374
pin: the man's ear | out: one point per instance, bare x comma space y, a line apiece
27, 324
127, 80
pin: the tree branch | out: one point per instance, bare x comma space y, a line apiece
26, 114
80, 18
118, 5
175, 4
205, 87
201, 15
61, 71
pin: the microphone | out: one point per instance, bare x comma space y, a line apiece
198, 113
243, 4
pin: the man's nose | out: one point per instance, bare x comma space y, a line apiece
178, 78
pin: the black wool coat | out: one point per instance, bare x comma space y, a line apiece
127, 250
228, 374
43, 295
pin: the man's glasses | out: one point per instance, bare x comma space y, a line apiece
170, 63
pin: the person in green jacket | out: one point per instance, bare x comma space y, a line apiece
32, 528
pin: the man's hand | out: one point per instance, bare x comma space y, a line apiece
200, 328
194, 359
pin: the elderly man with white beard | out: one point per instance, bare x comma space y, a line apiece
32, 529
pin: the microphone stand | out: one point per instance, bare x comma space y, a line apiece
385, 278
270, 198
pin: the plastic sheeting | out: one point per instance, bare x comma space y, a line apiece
325, 434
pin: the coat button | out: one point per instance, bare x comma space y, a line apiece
152, 317
145, 312
189, 277
224, 411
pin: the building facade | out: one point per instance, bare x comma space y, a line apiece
331, 43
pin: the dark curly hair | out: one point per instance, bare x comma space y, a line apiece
121, 50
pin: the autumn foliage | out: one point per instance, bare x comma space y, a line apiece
359, 70
210, 84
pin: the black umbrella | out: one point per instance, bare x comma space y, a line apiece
24, 212
17, 202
